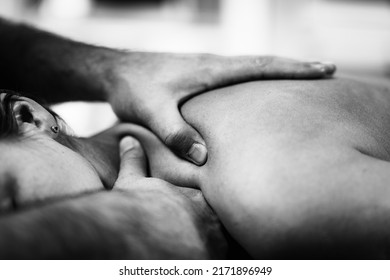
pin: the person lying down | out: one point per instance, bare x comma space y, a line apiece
295, 170
54, 201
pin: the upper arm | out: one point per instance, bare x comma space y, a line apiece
145, 223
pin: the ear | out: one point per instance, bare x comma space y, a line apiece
33, 118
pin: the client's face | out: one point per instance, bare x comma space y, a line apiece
40, 162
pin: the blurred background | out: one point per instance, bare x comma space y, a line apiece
355, 34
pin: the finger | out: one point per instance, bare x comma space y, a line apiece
162, 162
228, 70
278, 67
178, 135
133, 161
295, 69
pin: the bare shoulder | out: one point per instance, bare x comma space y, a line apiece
291, 160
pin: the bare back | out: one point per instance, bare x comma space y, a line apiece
294, 164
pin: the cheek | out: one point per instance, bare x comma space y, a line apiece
54, 174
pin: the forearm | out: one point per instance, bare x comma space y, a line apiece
61, 230
51, 67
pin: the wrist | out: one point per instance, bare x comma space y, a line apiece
96, 69
119, 75
72, 71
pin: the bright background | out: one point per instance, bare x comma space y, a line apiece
355, 34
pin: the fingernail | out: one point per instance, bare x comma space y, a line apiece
198, 153
325, 66
319, 66
330, 67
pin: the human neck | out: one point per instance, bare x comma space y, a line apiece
102, 151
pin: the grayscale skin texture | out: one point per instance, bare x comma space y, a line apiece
65, 197
296, 169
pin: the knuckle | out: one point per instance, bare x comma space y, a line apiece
178, 141
173, 136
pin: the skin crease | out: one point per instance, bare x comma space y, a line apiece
296, 169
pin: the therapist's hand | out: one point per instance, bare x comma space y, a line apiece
147, 88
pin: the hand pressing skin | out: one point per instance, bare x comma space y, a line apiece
151, 93
146, 88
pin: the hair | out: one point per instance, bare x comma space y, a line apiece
8, 124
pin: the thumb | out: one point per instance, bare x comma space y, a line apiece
178, 135
132, 162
